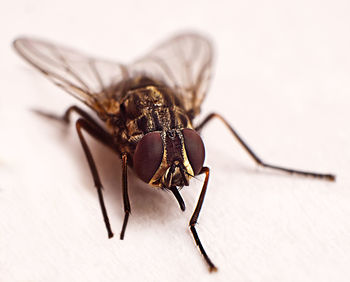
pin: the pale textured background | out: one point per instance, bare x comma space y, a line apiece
282, 78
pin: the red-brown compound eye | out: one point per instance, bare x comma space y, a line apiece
148, 156
194, 149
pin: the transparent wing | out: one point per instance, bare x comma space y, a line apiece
93, 81
183, 63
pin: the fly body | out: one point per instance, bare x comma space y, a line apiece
148, 108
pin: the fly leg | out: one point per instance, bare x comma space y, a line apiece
99, 133
329, 177
194, 218
126, 201
88, 124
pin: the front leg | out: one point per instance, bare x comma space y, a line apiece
126, 201
194, 219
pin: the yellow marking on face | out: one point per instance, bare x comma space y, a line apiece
156, 180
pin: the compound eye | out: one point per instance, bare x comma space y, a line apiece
148, 156
195, 149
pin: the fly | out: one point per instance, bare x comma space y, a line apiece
148, 108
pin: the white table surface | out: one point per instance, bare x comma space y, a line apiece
282, 78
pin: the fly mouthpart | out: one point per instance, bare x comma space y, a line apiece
178, 197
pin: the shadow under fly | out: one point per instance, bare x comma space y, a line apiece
147, 108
